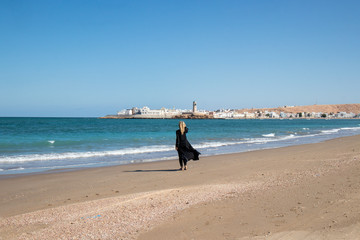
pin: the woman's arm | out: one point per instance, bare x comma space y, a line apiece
177, 140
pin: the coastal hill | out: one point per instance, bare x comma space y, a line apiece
354, 108
312, 111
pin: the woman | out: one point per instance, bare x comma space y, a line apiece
184, 148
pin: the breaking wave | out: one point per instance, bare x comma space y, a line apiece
145, 153
269, 135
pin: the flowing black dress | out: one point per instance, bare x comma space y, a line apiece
185, 150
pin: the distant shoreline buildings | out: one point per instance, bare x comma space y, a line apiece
164, 113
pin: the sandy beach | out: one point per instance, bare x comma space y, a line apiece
300, 192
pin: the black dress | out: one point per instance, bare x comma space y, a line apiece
185, 150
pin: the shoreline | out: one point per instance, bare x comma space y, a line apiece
82, 148
159, 197
279, 143
141, 162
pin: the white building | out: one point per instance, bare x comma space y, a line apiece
249, 115
283, 115
223, 115
345, 115
125, 112
271, 114
158, 113
147, 111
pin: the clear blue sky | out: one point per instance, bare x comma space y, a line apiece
92, 58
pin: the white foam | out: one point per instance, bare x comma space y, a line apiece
127, 151
258, 140
330, 131
351, 128
288, 137
269, 135
73, 155
335, 130
215, 144
160, 148
16, 169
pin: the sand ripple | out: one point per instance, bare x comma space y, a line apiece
117, 217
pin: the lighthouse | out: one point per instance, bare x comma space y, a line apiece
194, 107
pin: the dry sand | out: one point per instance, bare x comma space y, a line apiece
300, 192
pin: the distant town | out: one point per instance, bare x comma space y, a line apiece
284, 112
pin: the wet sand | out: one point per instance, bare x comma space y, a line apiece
300, 192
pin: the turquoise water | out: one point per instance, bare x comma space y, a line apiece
42, 144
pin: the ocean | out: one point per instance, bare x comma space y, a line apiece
33, 145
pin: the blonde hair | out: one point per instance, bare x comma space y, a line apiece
182, 126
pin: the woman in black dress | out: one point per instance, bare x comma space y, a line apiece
184, 148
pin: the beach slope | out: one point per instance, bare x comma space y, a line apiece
300, 192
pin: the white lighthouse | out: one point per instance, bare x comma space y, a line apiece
194, 107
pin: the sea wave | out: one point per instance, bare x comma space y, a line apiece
336, 130
12, 169
351, 128
208, 144
128, 151
74, 155
215, 144
330, 131
269, 135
